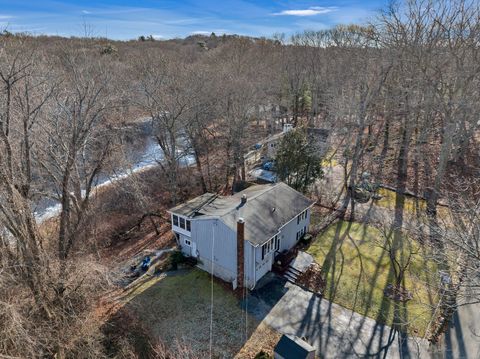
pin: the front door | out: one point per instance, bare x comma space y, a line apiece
194, 249
186, 246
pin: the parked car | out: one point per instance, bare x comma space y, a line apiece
268, 166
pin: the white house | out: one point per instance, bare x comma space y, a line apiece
237, 237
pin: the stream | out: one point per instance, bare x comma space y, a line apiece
141, 152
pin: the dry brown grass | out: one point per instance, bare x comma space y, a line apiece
263, 338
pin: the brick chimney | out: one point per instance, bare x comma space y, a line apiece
240, 252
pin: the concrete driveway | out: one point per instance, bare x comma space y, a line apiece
462, 337
334, 331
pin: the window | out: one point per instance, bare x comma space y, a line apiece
298, 219
188, 243
300, 234
188, 225
182, 223
175, 220
268, 247
276, 242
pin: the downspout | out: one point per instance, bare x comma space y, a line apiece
254, 270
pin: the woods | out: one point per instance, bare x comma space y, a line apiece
399, 96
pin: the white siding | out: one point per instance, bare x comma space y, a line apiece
186, 244
249, 265
213, 234
288, 239
288, 233
262, 267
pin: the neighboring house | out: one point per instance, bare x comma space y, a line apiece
317, 138
271, 144
237, 237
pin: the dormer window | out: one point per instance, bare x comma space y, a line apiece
175, 220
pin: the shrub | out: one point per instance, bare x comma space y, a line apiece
263, 355
176, 258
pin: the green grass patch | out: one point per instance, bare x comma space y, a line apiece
410, 204
178, 307
389, 200
326, 162
357, 270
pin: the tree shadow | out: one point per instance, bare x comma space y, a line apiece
453, 333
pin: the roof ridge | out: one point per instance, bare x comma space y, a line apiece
249, 199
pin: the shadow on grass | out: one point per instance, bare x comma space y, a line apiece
381, 337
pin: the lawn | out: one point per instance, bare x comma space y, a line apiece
411, 205
177, 308
357, 271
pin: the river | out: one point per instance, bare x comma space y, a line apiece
141, 152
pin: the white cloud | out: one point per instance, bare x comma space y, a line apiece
158, 37
314, 10
5, 17
86, 12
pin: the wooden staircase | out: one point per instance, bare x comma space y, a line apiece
291, 274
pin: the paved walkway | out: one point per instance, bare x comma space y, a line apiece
334, 331
302, 261
462, 337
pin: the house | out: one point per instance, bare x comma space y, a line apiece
237, 237
271, 144
291, 347
268, 148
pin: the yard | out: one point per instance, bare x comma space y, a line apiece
357, 270
410, 204
176, 308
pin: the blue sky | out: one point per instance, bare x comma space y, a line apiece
127, 19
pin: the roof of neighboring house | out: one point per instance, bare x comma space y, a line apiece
273, 137
319, 133
264, 175
290, 346
268, 207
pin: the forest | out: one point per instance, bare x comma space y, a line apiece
400, 97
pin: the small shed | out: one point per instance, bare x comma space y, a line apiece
292, 347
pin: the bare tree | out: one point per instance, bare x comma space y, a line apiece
50, 131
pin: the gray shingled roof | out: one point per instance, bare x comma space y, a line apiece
268, 208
